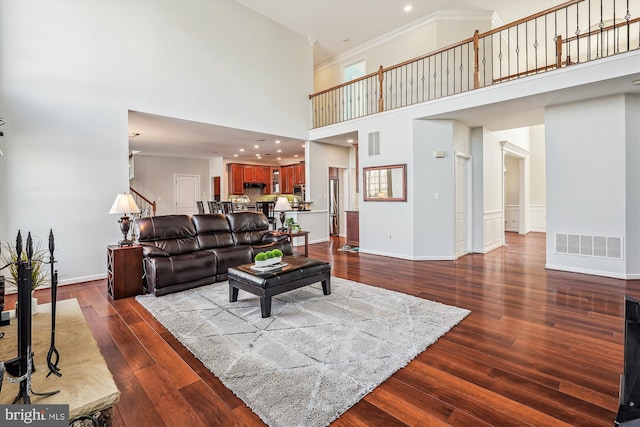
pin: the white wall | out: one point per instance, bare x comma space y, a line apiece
587, 177
632, 160
154, 178
69, 73
324, 156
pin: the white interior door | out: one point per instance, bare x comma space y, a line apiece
461, 205
187, 191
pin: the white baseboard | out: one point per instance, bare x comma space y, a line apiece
407, 257
623, 276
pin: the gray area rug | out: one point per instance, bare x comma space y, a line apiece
316, 356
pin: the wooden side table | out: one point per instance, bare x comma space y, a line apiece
124, 271
304, 234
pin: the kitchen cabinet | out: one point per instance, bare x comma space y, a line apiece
277, 180
298, 173
287, 177
274, 181
253, 173
236, 179
249, 174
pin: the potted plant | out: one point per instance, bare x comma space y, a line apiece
265, 259
38, 272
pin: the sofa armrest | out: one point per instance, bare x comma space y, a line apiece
153, 251
274, 236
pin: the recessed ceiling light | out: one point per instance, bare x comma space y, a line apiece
279, 150
235, 155
279, 158
302, 145
257, 155
277, 141
349, 140
295, 155
408, 8
345, 39
256, 146
242, 149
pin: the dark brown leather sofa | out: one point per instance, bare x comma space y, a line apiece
182, 252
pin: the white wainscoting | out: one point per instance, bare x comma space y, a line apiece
538, 215
493, 230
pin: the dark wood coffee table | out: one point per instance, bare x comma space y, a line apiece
299, 272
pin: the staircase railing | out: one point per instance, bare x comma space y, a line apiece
147, 207
573, 32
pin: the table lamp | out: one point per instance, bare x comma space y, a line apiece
282, 205
124, 204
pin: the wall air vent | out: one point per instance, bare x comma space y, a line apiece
594, 246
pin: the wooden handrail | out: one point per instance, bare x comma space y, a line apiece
153, 204
332, 88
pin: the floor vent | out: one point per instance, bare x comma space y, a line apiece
597, 246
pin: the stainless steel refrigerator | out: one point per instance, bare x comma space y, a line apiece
334, 207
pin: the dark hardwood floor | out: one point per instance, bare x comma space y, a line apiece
540, 347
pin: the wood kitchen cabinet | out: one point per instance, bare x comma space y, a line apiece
253, 173
236, 179
298, 173
286, 179
249, 173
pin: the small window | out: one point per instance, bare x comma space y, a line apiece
374, 144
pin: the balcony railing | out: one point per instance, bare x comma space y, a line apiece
572, 33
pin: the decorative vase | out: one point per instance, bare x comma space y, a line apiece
268, 262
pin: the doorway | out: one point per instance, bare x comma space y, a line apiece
186, 193
515, 169
463, 219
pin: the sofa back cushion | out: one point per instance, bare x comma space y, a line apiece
174, 234
213, 231
247, 227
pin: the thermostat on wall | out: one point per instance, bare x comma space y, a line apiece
438, 154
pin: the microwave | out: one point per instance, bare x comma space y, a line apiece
298, 190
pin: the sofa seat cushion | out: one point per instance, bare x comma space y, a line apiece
231, 256
182, 268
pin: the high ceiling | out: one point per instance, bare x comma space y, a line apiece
329, 23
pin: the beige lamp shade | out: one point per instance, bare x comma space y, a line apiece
282, 204
124, 204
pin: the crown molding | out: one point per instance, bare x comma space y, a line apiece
440, 15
